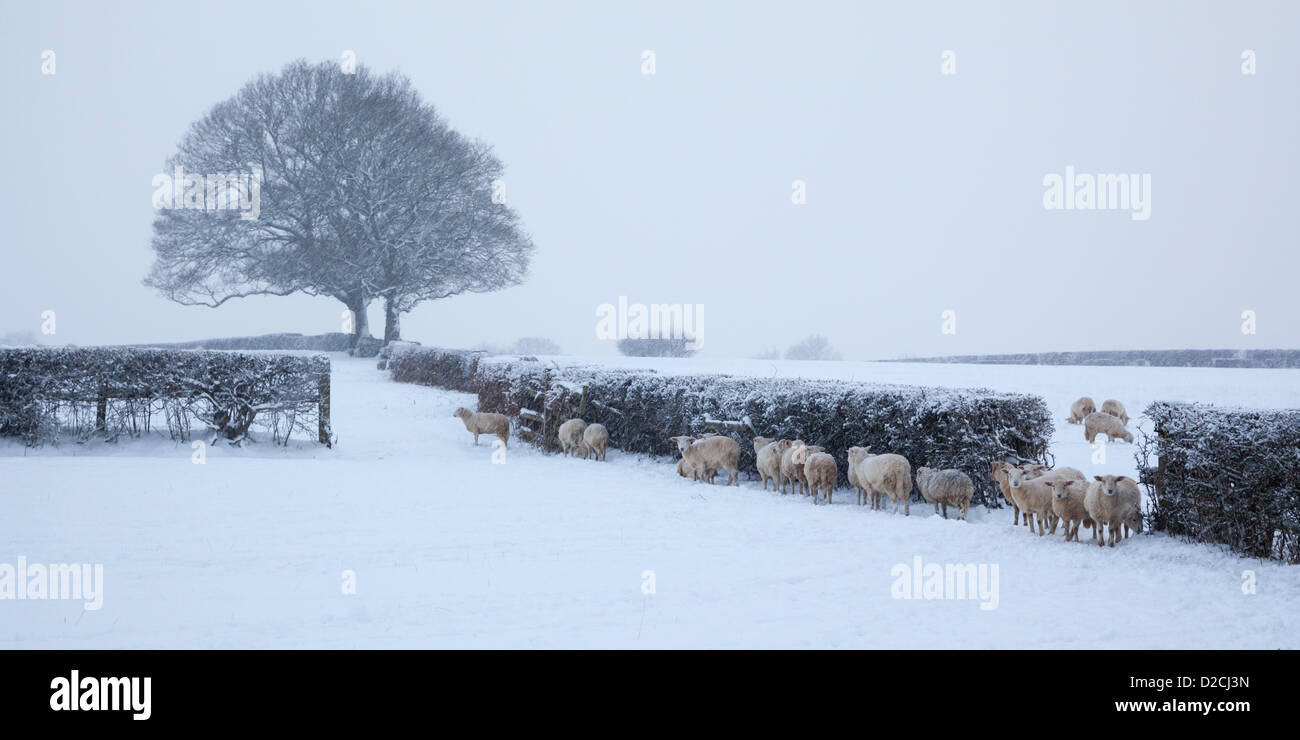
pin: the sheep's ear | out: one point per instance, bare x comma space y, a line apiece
1098, 477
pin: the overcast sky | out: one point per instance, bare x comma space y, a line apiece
925, 190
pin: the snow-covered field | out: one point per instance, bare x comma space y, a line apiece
250, 549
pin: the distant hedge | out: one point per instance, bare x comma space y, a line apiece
47, 395
643, 408
1255, 358
1225, 475
331, 342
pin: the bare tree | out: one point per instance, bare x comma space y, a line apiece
364, 193
656, 347
813, 347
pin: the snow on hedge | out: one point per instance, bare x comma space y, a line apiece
1225, 475
51, 394
937, 427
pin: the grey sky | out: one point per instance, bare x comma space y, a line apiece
924, 190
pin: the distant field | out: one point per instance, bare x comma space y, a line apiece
1254, 358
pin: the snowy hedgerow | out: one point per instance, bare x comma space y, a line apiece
643, 409
47, 394
1225, 475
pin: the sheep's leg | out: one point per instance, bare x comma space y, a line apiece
475, 439
945, 510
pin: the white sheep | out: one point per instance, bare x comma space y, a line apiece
570, 434
595, 440
485, 422
1100, 422
1080, 409
856, 455
887, 475
819, 471
1115, 409
792, 471
1033, 496
760, 443
1110, 504
1068, 505
711, 453
684, 468
1029, 471
944, 488
1128, 488
769, 461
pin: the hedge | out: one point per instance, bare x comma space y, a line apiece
48, 394
1229, 476
938, 427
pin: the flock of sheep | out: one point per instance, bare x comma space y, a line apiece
1046, 498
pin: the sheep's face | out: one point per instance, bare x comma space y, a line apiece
922, 474
1134, 521
782, 445
1015, 476
858, 454
1127, 436
1109, 484
683, 443
463, 413
1060, 489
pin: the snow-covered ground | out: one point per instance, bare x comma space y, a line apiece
250, 549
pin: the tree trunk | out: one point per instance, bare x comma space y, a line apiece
360, 322
392, 322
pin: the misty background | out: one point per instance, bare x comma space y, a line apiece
924, 190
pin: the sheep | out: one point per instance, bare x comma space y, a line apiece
1129, 489
684, 468
1033, 496
769, 461
821, 473
570, 434
760, 443
1115, 409
1080, 409
595, 439
711, 453
998, 474
856, 455
944, 487
792, 470
887, 475
1099, 422
483, 422
1068, 505
1112, 504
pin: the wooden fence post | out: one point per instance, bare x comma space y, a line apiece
323, 410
